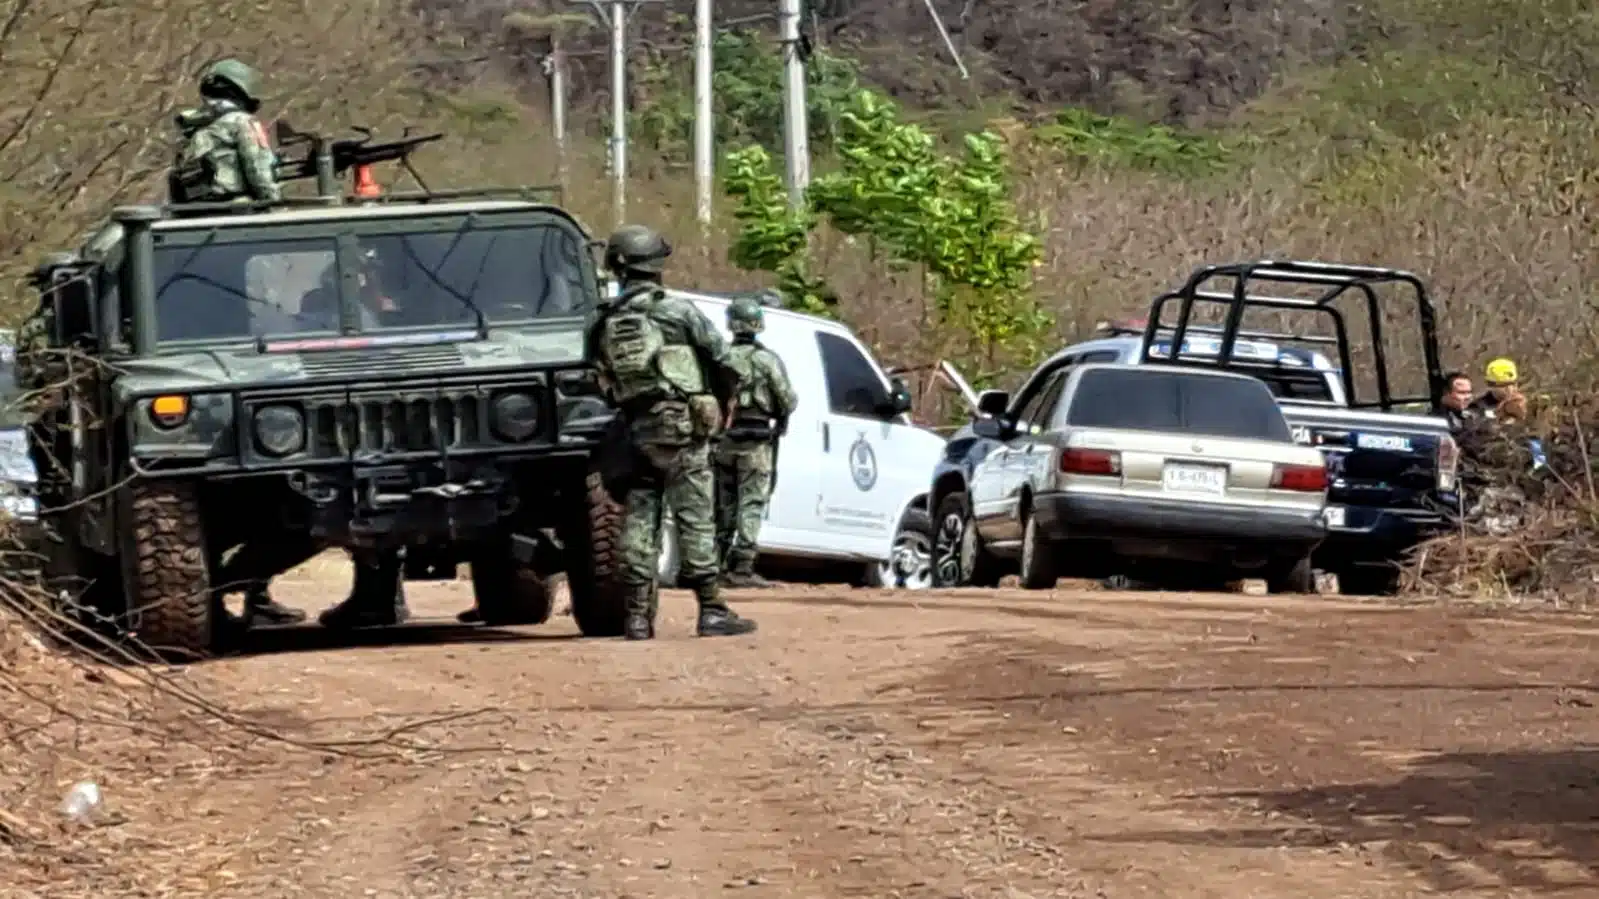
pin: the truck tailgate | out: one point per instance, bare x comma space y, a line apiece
1374, 458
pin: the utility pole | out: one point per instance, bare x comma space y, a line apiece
796, 127
555, 70
614, 14
619, 110
704, 123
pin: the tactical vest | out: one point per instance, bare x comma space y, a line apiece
207, 167
756, 407
754, 394
637, 357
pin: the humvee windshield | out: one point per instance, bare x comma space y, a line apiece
435, 274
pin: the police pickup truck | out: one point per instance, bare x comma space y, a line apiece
1392, 476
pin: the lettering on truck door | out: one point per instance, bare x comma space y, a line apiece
857, 501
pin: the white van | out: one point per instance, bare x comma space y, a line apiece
852, 469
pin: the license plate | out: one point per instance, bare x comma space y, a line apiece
1333, 516
1208, 479
1386, 442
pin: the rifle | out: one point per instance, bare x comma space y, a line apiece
325, 160
777, 440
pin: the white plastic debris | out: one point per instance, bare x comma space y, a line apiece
81, 801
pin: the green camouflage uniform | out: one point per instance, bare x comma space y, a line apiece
746, 454
226, 154
662, 361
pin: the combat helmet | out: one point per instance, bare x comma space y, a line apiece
244, 80
745, 316
636, 249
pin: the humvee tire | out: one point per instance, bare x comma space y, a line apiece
169, 577
508, 592
592, 537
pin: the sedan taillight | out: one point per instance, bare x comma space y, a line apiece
1306, 478
1087, 461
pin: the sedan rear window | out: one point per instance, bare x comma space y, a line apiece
1144, 400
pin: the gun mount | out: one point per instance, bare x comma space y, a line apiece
326, 160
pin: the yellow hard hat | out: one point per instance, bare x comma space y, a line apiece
1500, 372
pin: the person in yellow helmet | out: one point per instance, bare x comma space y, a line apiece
1503, 400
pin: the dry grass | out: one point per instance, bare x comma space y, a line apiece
1537, 533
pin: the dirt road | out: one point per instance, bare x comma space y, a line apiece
958, 744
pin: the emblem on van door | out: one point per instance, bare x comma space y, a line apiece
863, 464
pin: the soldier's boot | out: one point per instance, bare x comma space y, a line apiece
254, 566
747, 580
377, 598
741, 573
723, 622
640, 621
260, 606
638, 627
716, 619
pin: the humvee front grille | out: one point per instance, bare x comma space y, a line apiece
399, 426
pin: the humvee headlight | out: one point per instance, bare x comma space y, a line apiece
514, 416
279, 430
169, 411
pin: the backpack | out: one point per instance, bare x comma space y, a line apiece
630, 342
754, 394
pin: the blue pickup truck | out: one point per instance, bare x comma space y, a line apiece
1392, 473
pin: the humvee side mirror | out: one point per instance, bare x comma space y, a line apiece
75, 311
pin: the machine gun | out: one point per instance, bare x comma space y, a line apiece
326, 160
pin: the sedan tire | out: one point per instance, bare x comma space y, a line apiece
1299, 577
1038, 558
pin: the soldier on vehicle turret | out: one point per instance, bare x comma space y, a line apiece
225, 154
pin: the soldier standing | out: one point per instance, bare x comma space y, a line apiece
225, 153
747, 453
673, 381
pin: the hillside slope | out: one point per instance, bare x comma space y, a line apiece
1452, 136
1180, 62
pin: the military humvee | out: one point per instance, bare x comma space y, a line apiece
373, 372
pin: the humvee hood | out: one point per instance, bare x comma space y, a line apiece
222, 369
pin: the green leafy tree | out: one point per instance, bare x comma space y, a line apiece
747, 95
772, 236
951, 218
